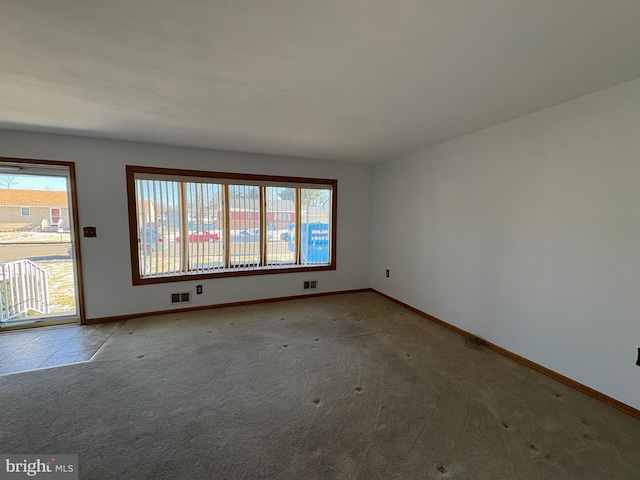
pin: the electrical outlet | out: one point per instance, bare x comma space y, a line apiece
309, 284
386, 273
198, 289
638, 361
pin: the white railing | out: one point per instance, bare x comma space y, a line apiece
24, 290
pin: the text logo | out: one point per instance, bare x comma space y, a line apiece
49, 467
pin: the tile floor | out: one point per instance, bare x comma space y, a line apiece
44, 347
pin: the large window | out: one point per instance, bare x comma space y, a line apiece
186, 223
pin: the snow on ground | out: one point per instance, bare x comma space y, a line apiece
61, 285
48, 237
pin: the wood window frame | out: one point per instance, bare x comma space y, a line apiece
231, 178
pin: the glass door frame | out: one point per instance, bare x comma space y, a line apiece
74, 230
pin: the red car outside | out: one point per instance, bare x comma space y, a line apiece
201, 237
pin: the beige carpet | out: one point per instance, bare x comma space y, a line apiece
345, 386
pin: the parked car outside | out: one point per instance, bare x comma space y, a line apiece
201, 236
248, 235
148, 237
281, 234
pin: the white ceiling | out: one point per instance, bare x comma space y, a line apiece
351, 80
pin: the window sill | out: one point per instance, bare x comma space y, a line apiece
231, 272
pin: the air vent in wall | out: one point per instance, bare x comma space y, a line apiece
184, 297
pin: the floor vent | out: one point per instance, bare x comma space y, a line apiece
309, 284
184, 297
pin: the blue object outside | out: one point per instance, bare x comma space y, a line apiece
314, 242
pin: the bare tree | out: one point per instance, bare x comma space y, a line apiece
7, 181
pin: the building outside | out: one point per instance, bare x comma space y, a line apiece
30, 210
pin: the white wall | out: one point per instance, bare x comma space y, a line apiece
527, 234
101, 186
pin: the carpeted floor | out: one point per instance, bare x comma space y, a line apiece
345, 386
